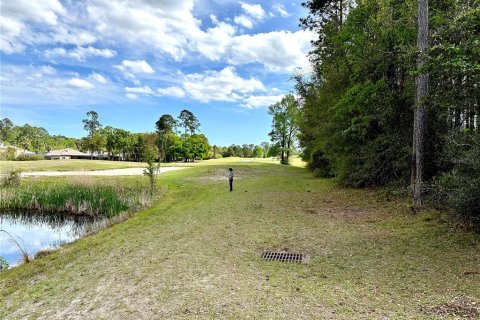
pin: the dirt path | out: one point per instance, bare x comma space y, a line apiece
110, 172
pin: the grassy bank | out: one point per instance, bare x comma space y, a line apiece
78, 196
196, 254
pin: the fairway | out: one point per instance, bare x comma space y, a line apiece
196, 254
90, 165
66, 165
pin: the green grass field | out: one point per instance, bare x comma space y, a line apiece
196, 254
66, 165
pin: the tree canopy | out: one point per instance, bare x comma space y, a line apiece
284, 125
357, 106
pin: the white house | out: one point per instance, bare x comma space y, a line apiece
65, 154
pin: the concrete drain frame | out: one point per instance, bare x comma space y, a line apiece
285, 256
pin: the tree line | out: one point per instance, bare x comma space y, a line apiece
177, 138
174, 139
392, 99
263, 150
32, 138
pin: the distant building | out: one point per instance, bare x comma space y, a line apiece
63, 154
100, 155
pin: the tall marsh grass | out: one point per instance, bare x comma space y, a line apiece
77, 198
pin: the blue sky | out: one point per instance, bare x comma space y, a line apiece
134, 60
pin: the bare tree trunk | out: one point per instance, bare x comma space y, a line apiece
341, 12
458, 118
420, 114
478, 116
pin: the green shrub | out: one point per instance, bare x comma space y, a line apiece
3, 264
319, 164
151, 170
458, 190
8, 154
29, 158
13, 178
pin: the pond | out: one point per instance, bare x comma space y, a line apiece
35, 233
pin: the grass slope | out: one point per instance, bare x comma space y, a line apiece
196, 255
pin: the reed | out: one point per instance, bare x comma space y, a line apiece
78, 199
23, 251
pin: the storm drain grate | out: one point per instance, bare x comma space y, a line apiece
283, 256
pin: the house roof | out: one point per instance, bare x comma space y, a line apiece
65, 152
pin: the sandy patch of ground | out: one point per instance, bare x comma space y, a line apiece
110, 172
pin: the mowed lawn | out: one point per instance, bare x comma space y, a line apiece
196, 254
66, 165
88, 165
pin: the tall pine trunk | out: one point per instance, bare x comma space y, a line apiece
420, 113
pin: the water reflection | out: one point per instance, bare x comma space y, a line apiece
36, 232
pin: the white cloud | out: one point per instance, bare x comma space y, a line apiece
222, 85
167, 28
15, 19
135, 66
214, 19
67, 34
78, 83
98, 77
48, 70
214, 44
45, 11
225, 86
11, 30
280, 9
278, 51
172, 30
254, 10
10, 27
261, 101
30, 85
131, 96
80, 53
41, 71
172, 92
146, 90
243, 21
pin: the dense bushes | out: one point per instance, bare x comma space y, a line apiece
29, 158
10, 154
319, 164
357, 106
459, 188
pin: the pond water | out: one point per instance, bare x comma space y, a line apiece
35, 232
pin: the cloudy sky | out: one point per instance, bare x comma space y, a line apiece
134, 60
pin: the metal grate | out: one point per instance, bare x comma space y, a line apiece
283, 256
